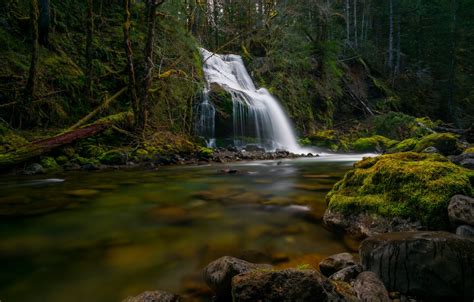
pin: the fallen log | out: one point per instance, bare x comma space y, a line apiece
43, 146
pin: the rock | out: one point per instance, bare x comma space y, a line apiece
229, 171
369, 288
335, 263
153, 296
446, 143
347, 274
375, 143
465, 231
465, 160
254, 148
114, 157
49, 164
431, 150
429, 265
219, 273
461, 210
401, 191
90, 167
34, 169
285, 285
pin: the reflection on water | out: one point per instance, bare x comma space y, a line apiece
103, 236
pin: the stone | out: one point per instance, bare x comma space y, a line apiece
219, 273
153, 296
347, 274
429, 265
335, 263
284, 285
465, 160
465, 231
369, 288
431, 150
34, 169
461, 210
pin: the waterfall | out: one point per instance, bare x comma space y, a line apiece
257, 116
205, 123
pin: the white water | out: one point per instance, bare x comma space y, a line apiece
257, 116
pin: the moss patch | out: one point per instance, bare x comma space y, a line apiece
446, 143
375, 143
406, 145
407, 185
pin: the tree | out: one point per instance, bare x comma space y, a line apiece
30, 84
90, 33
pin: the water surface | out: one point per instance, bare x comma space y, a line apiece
102, 236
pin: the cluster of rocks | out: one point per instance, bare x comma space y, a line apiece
252, 152
399, 266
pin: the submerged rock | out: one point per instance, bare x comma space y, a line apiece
369, 287
461, 210
402, 191
429, 265
285, 285
219, 273
153, 296
335, 263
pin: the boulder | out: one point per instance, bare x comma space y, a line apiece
347, 274
465, 160
335, 263
461, 210
34, 169
446, 143
430, 265
396, 192
218, 274
369, 288
284, 285
466, 231
153, 296
114, 157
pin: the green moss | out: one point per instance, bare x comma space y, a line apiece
446, 143
408, 185
9, 140
61, 160
113, 157
375, 143
406, 145
85, 161
49, 164
206, 152
469, 150
399, 126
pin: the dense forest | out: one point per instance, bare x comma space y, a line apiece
326, 61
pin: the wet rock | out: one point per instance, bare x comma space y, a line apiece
285, 285
254, 148
90, 167
347, 274
335, 263
430, 265
369, 287
461, 210
34, 169
219, 273
431, 150
466, 231
465, 160
153, 296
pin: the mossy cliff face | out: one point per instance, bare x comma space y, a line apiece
410, 186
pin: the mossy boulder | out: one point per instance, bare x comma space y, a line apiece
399, 126
406, 145
376, 143
49, 164
414, 187
326, 139
469, 150
446, 143
114, 157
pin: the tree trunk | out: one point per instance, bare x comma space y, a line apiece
129, 54
452, 67
44, 22
90, 32
390, 39
348, 23
30, 84
399, 53
355, 24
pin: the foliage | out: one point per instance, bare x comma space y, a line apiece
408, 185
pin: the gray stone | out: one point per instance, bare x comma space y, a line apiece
335, 263
431, 150
465, 160
347, 274
466, 231
461, 210
369, 288
34, 169
218, 274
429, 265
283, 286
153, 296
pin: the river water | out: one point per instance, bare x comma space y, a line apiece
102, 236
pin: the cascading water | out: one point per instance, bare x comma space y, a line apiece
257, 116
205, 123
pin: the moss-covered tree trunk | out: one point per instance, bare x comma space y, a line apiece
30, 85
129, 54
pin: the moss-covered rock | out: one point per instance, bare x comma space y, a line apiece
412, 186
376, 143
9, 140
49, 164
114, 157
399, 126
406, 145
469, 150
446, 143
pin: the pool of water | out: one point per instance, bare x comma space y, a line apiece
103, 236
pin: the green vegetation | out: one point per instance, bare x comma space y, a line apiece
375, 143
446, 143
408, 185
